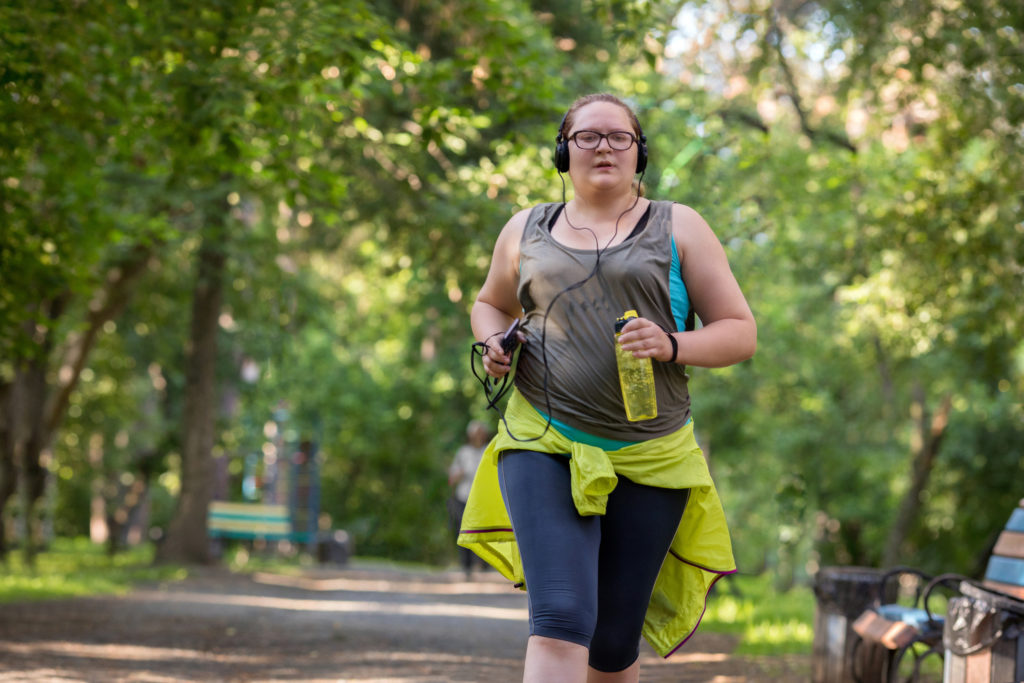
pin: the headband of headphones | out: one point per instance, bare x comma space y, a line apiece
562, 148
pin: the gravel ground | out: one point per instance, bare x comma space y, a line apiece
363, 623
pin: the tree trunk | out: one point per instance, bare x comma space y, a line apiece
186, 540
33, 409
99, 531
25, 400
108, 303
34, 474
137, 529
27, 430
8, 470
930, 431
124, 515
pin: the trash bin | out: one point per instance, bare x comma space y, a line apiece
983, 637
838, 654
334, 547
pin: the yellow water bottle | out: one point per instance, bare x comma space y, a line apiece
636, 376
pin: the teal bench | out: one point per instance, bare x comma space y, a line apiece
264, 521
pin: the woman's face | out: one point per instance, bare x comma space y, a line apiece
603, 167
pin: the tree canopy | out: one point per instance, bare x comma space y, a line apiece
216, 213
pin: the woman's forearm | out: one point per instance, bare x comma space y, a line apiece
721, 343
488, 321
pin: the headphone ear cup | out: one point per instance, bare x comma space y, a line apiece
561, 154
641, 154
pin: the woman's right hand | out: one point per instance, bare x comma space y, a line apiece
497, 363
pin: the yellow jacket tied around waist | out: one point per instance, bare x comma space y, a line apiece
701, 552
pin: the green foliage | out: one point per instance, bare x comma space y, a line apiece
876, 241
983, 461
362, 156
74, 567
58, 197
354, 311
769, 622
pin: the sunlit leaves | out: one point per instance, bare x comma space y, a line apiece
861, 162
893, 252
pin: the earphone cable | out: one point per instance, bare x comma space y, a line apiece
501, 387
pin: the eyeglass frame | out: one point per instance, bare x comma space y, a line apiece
605, 136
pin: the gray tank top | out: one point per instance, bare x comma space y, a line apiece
580, 385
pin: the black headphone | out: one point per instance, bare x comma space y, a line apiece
562, 148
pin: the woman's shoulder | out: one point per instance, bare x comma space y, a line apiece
684, 213
678, 218
690, 230
515, 228
687, 220
535, 214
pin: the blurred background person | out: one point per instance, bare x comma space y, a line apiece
460, 478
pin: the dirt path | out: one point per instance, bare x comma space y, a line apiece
358, 624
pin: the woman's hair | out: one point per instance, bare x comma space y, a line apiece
598, 97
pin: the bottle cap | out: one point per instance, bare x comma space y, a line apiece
626, 317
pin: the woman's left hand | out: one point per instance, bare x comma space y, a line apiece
645, 339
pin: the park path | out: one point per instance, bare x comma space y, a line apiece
361, 623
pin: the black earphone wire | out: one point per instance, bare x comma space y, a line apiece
480, 348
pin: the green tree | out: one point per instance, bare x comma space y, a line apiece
875, 186
349, 133
63, 246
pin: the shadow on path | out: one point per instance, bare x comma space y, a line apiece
365, 623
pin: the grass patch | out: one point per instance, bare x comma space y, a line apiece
76, 566
242, 559
768, 622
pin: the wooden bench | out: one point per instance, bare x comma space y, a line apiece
842, 594
890, 631
897, 629
984, 635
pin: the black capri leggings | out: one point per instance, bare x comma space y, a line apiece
588, 579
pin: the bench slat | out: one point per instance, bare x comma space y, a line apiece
247, 534
894, 635
1009, 589
254, 516
1010, 544
220, 507
1016, 522
1005, 570
252, 527
979, 667
249, 520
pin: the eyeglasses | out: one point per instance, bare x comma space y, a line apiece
590, 139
